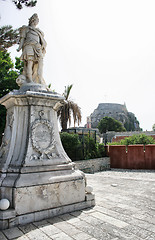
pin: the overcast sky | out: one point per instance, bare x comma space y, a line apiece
105, 48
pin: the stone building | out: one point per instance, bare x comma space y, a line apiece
116, 111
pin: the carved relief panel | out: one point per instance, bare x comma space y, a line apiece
42, 139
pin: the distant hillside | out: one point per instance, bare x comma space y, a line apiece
116, 111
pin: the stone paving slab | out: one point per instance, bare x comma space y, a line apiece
125, 209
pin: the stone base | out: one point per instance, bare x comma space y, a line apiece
36, 175
33, 87
9, 219
41, 191
40, 195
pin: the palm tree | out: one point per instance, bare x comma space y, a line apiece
67, 109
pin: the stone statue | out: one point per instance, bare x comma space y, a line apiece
33, 47
34, 167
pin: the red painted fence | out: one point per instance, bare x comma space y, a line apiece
132, 156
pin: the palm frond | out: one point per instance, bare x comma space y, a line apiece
68, 110
67, 91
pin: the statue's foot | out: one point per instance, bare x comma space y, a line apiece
41, 81
29, 81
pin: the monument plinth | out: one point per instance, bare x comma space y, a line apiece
36, 175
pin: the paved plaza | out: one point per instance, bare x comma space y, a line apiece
125, 209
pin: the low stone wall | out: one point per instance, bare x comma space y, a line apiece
93, 165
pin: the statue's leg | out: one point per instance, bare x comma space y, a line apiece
40, 70
29, 70
24, 69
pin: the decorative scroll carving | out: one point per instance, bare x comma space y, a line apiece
41, 113
42, 137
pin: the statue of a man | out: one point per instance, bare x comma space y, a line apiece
33, 48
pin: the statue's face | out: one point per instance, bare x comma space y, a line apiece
36, 21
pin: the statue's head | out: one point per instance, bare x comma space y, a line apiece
34, 19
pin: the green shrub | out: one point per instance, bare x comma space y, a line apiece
90, 148
72, 145
101, 150
135, 139
83, 148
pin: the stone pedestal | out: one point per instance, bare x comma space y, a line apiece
36, 175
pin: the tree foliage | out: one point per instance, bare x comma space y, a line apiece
27, 3
68, 109
72, 145
8, 78
21, 3
110, 124
8, 37
7, 74
135, 139
92, 149
81, 148
153, 127
19, 65
132, 124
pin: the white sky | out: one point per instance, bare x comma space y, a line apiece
105, 48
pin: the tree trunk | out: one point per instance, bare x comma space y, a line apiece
64, 125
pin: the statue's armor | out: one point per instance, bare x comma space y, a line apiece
32, 36
32, 49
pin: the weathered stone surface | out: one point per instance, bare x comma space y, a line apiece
49, 177
10, 213
93, 165
110, 220
47, 228
34, 165
27, 218
33, 111
90, 197
70, 208
67, 228
82, 236
48, 196
2, 236
13, 233
13, 222
4, 223
61, 236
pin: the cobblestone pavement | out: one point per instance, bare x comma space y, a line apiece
125, 209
